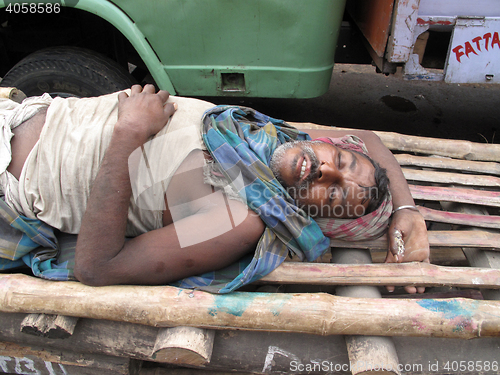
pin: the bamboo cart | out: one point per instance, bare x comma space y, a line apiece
332, 316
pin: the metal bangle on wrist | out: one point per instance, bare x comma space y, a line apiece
405, 207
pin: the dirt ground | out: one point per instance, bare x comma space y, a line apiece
360, 98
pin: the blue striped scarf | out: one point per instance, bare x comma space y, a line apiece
32, 243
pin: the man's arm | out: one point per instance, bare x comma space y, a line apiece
103, 225
410, 223
103, 257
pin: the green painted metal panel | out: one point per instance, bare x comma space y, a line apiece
258, 48
274, 48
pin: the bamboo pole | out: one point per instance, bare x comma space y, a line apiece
184, 346
12, 93
447, 163
51, 326
312, 313
416, 273
443, 147
7, 92
450, 178
452, 238
483, 221
460, 195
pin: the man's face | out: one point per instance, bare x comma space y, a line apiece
328, 181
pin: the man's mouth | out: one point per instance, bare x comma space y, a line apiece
307, 166
303, 169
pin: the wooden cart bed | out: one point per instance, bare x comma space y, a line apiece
331, 316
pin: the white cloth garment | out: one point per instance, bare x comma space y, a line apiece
13, 114
57, 176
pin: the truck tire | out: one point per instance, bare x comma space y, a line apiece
67, 71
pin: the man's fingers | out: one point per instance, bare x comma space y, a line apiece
392, 256
122, 96
164, 95
149, 88
169, 109
389, 258
135, 89
415, 289
410, 289
396, 245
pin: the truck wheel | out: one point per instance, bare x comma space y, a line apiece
67, 71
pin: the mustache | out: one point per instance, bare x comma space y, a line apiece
314, 172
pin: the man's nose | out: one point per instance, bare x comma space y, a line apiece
329, 173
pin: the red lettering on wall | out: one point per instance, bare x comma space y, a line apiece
467, 48
487, 38
458, 53
477, 40
495, 40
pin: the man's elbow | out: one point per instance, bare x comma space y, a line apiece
89, 274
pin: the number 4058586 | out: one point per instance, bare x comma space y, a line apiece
39, 8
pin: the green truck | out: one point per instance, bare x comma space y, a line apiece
257, 48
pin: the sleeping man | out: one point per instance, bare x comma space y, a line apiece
166, 189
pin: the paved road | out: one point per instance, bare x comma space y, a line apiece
360, 98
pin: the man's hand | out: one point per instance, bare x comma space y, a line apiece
144, 113
411, 225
